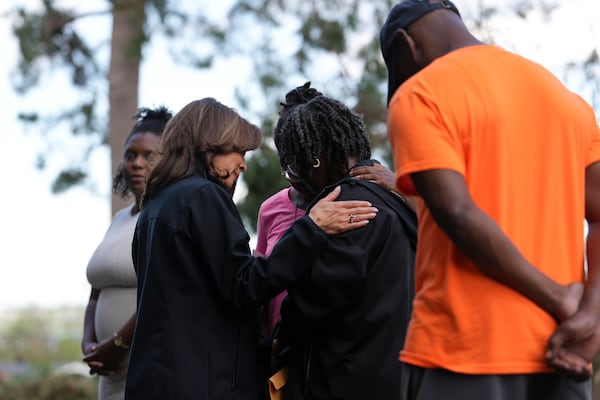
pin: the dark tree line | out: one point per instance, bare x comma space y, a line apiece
333, 43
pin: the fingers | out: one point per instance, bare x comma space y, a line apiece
334, 216
357, 171
559, 338
366, 176
95, 367
578, 328
360, 210
88, 349
362, 216
103, 372
355, 206
574, 345
377, 174
367, 169
348, 204
333, 194
570, 364
357, 217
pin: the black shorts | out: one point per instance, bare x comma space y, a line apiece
434, 384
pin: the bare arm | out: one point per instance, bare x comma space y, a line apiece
576, 341
89, 341
126, 331
591, 295
480, 239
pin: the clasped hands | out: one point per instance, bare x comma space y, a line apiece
576, 341
103, 358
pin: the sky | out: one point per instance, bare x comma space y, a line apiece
46, 240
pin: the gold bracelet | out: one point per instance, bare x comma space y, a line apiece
118, 341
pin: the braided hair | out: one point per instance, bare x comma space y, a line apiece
146, 120
311, 123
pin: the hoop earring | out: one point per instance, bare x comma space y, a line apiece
317, 163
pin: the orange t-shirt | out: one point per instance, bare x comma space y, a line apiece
522, 141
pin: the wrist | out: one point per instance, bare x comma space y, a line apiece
569, 301
119, 342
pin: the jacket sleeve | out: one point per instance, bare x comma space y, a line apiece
221, 243
336, 280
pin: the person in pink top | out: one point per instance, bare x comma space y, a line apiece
276, 215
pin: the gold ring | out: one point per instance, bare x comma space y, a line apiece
351, 218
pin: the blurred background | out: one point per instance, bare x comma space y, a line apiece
75, 72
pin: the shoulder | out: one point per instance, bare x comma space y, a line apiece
379, 196
281, 196
189, 193
356, 189
205, 194
191, 186
124, 217
124, 212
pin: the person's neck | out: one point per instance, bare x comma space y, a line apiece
300, 200
351, 161
137, 206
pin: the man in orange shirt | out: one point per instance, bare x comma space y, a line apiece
505, 159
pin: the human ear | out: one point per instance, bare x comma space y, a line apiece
406, 43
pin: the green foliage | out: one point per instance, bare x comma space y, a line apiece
67, 179
263, 178
47, 35
322, 33
333, 43
330, 43
47, 38
41, 338
50, 388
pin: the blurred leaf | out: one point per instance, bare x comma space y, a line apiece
333, 43
67, 179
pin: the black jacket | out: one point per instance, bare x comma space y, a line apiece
199, 289
346, 320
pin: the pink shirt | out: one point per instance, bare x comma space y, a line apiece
275, 216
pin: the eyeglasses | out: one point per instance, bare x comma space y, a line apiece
290, 174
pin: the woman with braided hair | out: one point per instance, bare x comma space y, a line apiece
278, 212
344, 323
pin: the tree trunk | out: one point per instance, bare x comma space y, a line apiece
123, 79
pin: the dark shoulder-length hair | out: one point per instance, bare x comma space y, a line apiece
193, 136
